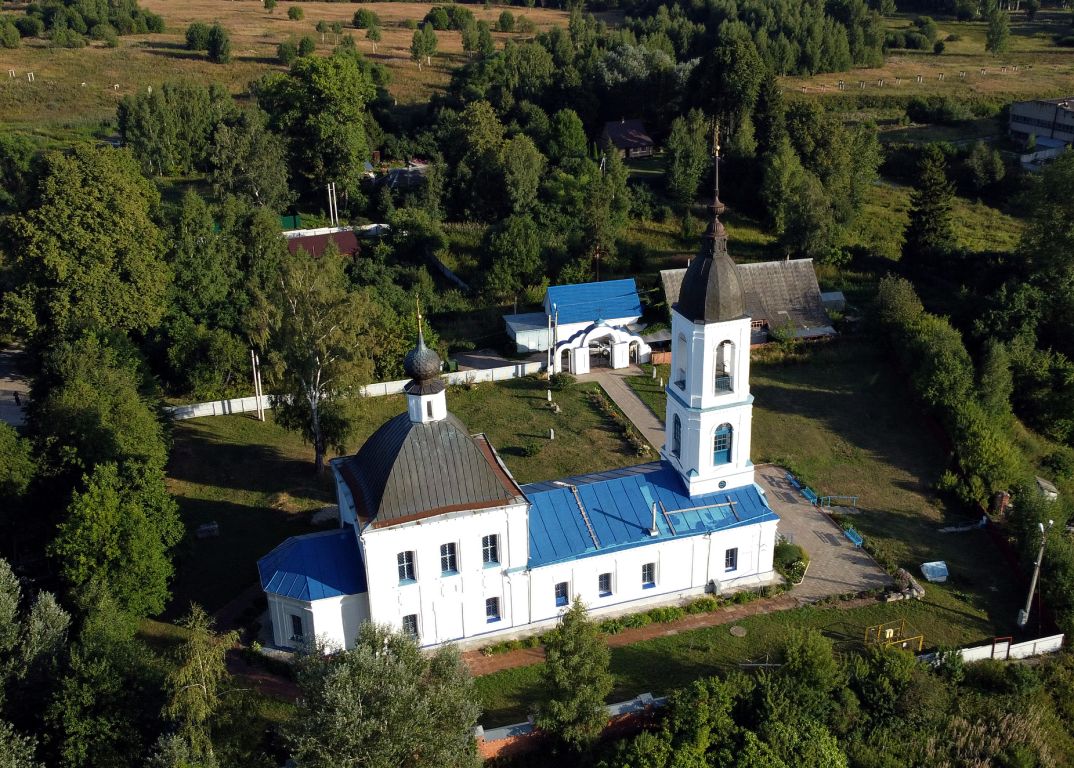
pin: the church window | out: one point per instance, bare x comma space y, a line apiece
297, 631
490, 550
405, 561
721, 445
561, 593
449, 562
429, 408
680, 361
648, 576
410, 625
492, 609
604, 584
676, 436
722, 371
730, 559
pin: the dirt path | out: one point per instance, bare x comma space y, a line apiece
486, 665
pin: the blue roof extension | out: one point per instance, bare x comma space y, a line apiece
619, 506
589, 302
314, 566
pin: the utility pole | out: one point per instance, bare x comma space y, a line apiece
1023, 615
255, 364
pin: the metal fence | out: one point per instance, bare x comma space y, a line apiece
379, 389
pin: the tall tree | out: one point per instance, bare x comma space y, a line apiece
118, 533
687, 156
197, 682
250, 161
576, 680
567, 140
320, 106
998, 36
385, 703
16, 750
930, 235
514, 253
90, 253
317, 352
204, 265
523, 167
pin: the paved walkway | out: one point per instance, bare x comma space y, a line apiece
835, 565
14, 388
612, 382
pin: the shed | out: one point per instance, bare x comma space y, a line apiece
315, 241
779, 294
629, 137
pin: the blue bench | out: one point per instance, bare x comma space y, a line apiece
792, 480
854, 536
810, 495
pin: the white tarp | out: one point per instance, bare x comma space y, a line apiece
935, 571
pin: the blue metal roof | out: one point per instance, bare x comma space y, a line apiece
619, 506
314, 566
589, 302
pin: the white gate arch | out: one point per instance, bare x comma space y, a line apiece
577, 348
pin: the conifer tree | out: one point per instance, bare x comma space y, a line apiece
930, 235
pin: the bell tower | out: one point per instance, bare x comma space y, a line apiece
709, 405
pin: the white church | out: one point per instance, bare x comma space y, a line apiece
437, 539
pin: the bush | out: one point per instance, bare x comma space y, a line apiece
219, 45
531, 448
307, 45
937, 109
294, 13
938, 47
287, 52
365, 18
197, 37
30, 26
67, 38
787, 554
706, 604
525, 25
410, 24
438, 17
270, 5
953, 37
561, 381
9, 36
153, 22
506, 22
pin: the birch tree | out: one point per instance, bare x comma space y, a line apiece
316, 332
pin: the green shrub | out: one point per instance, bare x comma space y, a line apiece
706, 604
294, 13
365, 18
67, 38
9, 35
938, 47
219, 45
197, 37
307, 45
30, 26
741, 598
154, 22
531, 448
410, 23
635, 620
506, 22
611, 626
561, 381
287, 52
667, 613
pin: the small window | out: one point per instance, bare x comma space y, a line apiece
405, 561
490, 550
604, 584
297, 632
492, 609
410, 625
561, 593
648, 575
429, 408
449, 563
721, 445
676, 436
730, 559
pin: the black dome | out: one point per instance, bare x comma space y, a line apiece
712, 289
421, 363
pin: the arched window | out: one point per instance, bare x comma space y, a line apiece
676, 437
721, 444
680, 362
722, 371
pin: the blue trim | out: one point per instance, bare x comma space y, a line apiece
405, 582
449, 573
492, 564
649, 585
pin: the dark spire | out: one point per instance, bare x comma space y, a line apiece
711, 289
422, 364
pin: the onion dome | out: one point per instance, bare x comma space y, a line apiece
422, 365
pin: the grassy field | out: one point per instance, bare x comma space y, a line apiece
255, 479
74, 91
1043, 68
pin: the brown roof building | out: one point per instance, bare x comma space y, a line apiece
630, 138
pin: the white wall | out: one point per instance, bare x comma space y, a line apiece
334, 619
380, 389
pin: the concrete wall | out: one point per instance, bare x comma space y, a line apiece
380, 389
1003, 650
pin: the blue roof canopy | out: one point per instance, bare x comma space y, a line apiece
619, 506
589, 302
314, 566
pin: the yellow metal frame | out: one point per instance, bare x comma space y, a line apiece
893, 633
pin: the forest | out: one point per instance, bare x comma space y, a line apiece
141, 267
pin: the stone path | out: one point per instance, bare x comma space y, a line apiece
835, 565
613, 382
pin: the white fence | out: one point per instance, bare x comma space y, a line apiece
1003, 649
380, 389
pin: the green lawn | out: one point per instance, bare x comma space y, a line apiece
255, 479
662, 664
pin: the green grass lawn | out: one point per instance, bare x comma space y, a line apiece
664, 663
256, 479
